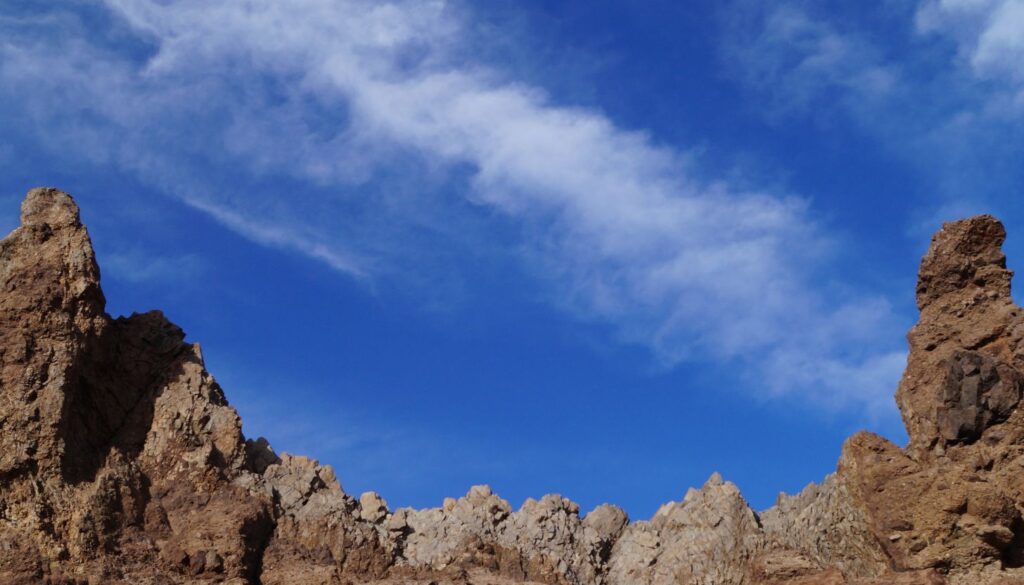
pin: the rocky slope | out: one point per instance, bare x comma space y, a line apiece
122, 462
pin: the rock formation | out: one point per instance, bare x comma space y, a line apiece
121, 462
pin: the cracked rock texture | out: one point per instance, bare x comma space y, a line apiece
121, 462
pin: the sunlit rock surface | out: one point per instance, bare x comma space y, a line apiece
121, 462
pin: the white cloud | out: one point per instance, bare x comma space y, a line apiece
937, 85
280, 237
802, 61
990, 47
334, 93
988, 33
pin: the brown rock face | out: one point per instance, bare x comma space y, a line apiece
121, 462
952, 500
118, 448
962, 375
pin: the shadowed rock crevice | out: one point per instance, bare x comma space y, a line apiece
120, 379
121, 462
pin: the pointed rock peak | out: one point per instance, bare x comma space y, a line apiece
691, 493
50, 261
714, 481
713, 485
964, 255
49, 206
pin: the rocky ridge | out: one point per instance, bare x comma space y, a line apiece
122, 462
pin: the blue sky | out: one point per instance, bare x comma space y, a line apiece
598, 248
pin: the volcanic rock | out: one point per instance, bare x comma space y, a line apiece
121, 462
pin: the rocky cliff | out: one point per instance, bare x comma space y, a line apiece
122, 462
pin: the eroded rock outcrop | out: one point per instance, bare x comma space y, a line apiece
122, 462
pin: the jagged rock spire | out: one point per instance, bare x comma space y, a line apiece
965, 257
121, 462
51, 304
961, 377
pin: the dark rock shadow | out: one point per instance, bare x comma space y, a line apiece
111, 401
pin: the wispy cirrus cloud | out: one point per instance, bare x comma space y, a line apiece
801, 61
936, 83
269, 234
987, 32
336, 98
